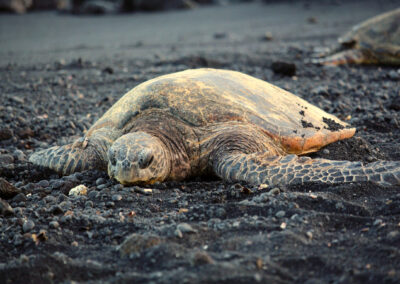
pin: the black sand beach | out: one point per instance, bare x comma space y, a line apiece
60, 73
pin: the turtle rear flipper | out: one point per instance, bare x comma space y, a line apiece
259, 168
69, 158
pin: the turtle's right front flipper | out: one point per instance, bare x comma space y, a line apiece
259, 168
70, 158
348, 56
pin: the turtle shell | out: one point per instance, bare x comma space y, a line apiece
380, 34
202, 97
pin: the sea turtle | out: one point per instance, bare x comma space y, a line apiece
374, 41
204, 121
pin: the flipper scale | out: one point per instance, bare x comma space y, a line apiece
68, 159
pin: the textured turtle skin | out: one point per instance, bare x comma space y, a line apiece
210, 121
374, 41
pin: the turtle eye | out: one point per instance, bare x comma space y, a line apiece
144, 162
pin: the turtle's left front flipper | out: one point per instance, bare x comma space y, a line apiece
259, 168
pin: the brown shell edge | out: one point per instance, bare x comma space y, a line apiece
300, 145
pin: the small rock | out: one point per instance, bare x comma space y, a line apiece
17, 239
220, 212
6, 159
18, 184
267, 36
67, 185
98, 219
78, 190
201, 258
377, 222
280, 214
312, 20
56, 184
89, 204
235, 190
62, 197
274, 191
393, 235
295, 217
93, 194
320, 91
370, 158
116, 197
186, 228
42, 236
49, 199
118, 187
262, 186
338, 205
56, 210
263, 197
100, 181
19, 155
102, 186
25, 133
5, 133
54, 224
108, 70
394, 75
284, 68
110, 204
24, 258
20, 197
96, 7
395, 104
220, 35
65, 205
5, 208
136, 243
43, 183
146, 191
28, 226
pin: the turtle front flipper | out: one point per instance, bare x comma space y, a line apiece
261, 168
349, 56
70, 158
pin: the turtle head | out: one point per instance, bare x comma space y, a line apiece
138, 158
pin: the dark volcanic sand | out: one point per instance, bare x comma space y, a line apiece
305, 234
